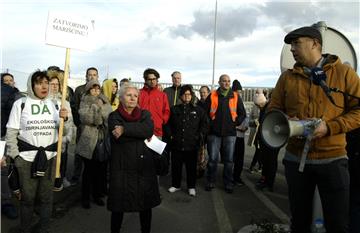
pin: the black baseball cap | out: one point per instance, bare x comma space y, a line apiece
310, 32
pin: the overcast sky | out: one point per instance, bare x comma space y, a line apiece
169, 35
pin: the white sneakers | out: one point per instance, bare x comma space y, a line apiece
192, 192
173, 189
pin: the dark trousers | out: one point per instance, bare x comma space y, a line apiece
270, 164
177, 160
37, 190
145, 221
105, 174
238, 158
5, 189
78, 162
333, 183
63, 163
257, 156
354, 169
92, 180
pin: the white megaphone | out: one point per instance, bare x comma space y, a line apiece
276, 128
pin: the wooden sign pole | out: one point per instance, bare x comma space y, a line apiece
61, 126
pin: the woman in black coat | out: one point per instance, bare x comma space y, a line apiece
188, 127
133, 183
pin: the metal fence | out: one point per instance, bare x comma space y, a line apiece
247, 93
21, 79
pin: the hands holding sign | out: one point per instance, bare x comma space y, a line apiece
63, 113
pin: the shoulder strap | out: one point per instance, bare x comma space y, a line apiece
23, 100
55, 103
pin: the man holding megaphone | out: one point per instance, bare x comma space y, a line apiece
301, 94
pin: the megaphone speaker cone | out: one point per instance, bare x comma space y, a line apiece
275, 129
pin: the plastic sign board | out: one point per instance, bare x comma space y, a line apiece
70, 31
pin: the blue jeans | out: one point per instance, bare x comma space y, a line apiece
227, 146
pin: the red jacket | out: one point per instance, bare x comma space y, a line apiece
156, 102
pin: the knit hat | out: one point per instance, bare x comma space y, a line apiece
236, 86
260, 99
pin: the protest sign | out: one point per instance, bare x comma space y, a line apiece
70, 31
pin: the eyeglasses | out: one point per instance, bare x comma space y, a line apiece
151, 79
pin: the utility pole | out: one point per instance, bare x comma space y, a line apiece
215, 27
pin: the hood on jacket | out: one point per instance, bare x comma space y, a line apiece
260, 99
236, 86
91, 98
30, 91
90, 84
107, 88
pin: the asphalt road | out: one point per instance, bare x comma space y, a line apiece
215, 211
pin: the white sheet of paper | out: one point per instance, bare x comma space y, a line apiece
2, 148
156, 144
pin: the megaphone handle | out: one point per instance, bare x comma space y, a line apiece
305, 152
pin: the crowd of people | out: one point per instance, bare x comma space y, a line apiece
114, 120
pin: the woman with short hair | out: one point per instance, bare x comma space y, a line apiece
188, 127
133, 185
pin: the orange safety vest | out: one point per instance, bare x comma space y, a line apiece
215, 102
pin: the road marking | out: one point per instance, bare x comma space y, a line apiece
277, 195
267, 202
221, 214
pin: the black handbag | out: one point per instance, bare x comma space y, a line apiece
103, 147
102, 150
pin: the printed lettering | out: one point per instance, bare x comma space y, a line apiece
45, 109
35, 109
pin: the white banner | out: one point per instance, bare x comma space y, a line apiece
70, 31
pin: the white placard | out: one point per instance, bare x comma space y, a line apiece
156, 144
2, 149
70, 31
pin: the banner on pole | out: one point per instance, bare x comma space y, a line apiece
70, 31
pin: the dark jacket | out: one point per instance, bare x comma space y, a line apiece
353, 143
188, 127
7, 99
173, 95
223, 125
75, 103
133, 185
70, 95
201, 104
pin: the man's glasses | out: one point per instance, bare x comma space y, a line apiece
151, 79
